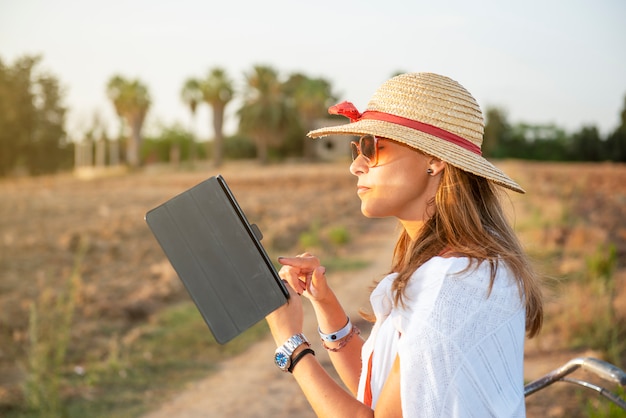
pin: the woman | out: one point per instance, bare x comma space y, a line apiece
451, 316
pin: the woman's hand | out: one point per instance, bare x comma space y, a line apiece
287, 320
305, 275
302, 275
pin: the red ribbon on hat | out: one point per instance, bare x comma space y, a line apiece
348, 110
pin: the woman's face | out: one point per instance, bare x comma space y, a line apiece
398, 185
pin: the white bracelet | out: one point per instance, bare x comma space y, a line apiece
338, 335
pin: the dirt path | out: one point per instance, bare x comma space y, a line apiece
249, 385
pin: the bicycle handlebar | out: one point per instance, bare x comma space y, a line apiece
600, 368
605, 370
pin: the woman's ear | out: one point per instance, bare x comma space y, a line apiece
436, 166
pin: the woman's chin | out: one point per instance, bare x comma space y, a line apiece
371, 213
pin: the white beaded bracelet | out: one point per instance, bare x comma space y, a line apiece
338, 335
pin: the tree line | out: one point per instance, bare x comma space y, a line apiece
274, 116
551, 143
32, 119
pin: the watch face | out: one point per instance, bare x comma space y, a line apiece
282, 360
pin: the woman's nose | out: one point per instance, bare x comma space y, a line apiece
359, 166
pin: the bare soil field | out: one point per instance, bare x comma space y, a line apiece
571, 211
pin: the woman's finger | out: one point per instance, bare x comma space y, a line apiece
305, 262
292, 276
317, 285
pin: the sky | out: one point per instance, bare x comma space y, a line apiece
542, 61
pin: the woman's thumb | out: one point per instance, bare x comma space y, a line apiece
318, 279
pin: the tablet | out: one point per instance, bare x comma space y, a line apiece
218, 256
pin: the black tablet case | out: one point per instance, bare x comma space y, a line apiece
218, 256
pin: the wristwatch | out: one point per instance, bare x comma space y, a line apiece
282, 356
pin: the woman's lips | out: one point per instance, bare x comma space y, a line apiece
362, 189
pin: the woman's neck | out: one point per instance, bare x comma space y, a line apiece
412, 228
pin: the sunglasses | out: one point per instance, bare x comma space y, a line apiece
367, 146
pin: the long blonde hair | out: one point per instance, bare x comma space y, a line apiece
468, 219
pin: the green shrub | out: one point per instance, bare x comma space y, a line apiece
339, 236
603, 330
49, 331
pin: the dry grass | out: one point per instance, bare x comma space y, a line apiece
129, 295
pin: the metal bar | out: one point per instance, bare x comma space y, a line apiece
602, 391
600, 368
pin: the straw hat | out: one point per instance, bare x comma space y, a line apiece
429, 112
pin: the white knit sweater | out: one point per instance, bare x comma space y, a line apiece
461, 349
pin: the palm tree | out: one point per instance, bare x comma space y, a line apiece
311, 98
217, 90
131, 101
265, 113
191, 94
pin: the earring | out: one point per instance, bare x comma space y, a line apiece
430, 171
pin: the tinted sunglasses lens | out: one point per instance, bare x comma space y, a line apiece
368, 147
354, 148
